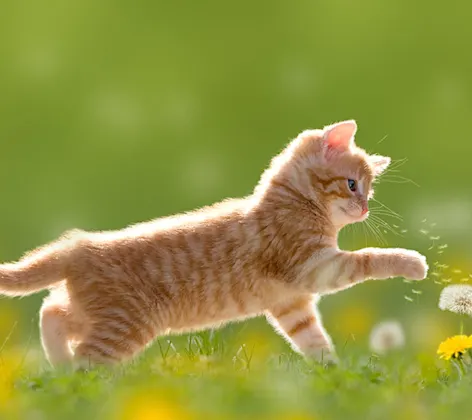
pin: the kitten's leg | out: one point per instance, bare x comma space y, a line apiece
95, 350
55, 334
344, 269
110, 340
104, 344
300, 323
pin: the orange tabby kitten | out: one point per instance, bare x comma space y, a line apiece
273, 252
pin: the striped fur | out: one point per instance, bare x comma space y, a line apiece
270, 253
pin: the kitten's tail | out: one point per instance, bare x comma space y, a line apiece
34, 272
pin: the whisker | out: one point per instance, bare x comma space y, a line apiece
377, 217
382, 139
386, 207
397, 163
398, 179
384, 224
382, 212
393, 167
365, 233
374, 229
368, 230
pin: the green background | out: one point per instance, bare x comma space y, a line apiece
117, 112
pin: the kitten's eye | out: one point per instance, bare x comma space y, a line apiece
352, 185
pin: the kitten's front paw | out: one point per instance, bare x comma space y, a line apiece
412, 265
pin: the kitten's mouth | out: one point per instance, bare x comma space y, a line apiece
359, 218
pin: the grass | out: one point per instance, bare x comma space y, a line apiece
214, 376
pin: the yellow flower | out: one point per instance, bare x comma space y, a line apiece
454, 346
148, 406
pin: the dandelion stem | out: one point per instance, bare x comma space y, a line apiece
460, 367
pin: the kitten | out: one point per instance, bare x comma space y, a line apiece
273, 253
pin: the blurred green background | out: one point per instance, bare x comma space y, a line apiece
116, 112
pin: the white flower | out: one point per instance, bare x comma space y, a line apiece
456, 298
385, 336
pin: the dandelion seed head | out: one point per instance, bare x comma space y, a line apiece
386, 336
456, 298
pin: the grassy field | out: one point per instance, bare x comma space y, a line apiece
217, 376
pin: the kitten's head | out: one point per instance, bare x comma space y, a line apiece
345, 173
327, 167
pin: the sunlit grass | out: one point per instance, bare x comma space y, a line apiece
208, 376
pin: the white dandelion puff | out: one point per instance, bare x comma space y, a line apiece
456, 298
386, 336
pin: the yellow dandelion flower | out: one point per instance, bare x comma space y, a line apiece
455, 346
147, 406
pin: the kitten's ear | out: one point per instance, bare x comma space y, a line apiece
340, 136
379, 163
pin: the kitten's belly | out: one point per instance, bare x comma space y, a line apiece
193, 315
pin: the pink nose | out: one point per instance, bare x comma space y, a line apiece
365, 210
